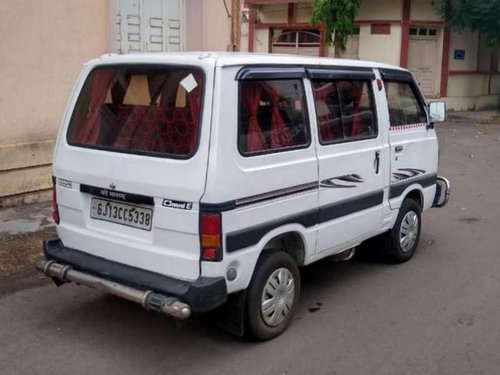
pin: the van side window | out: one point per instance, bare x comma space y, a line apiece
344, 110
404, 106
272, 116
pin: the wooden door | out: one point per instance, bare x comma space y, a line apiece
352, 48
422, 58
150, 25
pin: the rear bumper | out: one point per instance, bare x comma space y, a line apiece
141, 286
443, 190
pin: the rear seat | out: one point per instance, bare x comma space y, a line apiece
128, 119
178, 130
155, 129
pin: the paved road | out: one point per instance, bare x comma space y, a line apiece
437, 314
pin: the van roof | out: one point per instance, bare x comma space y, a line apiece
235, 59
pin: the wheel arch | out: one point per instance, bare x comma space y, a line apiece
415, 191
417, 195
291, 242
299, 242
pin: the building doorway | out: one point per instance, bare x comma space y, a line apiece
423, 58
150, 25
352, 46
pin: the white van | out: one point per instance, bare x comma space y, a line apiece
188, 182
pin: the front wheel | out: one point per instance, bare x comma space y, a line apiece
405, 234
273, 295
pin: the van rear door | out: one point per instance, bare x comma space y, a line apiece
130, 165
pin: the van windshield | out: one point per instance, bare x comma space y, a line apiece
146, 110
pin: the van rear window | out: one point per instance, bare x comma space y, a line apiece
146, 110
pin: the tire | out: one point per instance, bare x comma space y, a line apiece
272, 269
403, 239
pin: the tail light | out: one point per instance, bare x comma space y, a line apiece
55, 210
211, 237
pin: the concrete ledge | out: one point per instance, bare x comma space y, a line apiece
25, 180
25, 155
26, 198
25, 173
472, 103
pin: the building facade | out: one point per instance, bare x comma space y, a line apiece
409, 33
43, 45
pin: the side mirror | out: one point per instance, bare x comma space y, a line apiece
437, 112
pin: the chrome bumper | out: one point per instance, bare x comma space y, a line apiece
443, 190
147, 299
152, 290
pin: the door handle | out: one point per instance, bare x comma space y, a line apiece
377, 162
398, 148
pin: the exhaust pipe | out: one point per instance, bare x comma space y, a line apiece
148, 299
348, 255
344, 256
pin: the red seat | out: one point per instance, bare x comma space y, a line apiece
128, 119
147, 135
156, 129
178, 131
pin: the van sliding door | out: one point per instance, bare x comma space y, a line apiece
350, 154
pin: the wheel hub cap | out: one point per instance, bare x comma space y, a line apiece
277, 297
408, 232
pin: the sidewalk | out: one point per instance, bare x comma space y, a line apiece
25, 219
479, 117
22, 230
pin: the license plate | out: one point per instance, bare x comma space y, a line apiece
121, 213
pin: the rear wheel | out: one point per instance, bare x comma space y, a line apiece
272, 296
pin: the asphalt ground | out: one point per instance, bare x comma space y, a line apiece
437, 314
